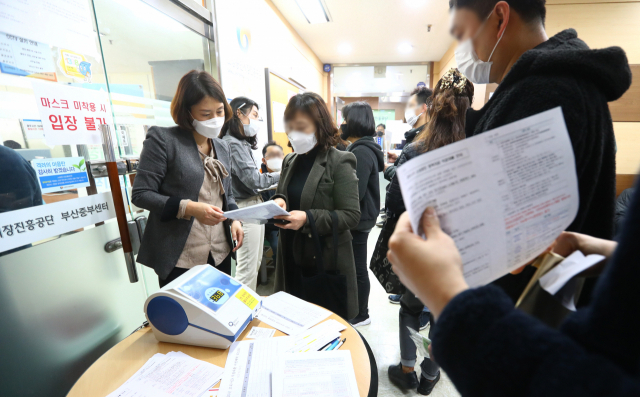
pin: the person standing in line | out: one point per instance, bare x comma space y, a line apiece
358, 130
183, 180
272, 155
319, 189
380, 130
505, 42
451, 99
240, 133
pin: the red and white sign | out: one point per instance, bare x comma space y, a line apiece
71, 115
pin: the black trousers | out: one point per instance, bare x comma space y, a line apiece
359, 244
410, 310
224, 267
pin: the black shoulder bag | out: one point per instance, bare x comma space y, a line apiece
380, 265
328, 288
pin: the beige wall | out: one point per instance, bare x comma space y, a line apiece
600, 23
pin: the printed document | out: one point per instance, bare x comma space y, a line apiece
247, 372
258, 212
503, 195
260, 333
172, 375
320, 374
289, 314
315, 338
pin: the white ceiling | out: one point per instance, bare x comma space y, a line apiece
375, 29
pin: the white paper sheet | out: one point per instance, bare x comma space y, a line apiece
247, 372
289, 314
320, 374
260, 333
174, 374
503, 196
258, 212
559, 280
316, 337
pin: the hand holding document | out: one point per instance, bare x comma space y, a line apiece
320, 374
289, 314
174, 374
258, 212
503, 196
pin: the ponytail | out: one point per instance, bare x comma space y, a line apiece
234, 127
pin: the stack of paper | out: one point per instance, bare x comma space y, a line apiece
320, 374
289, 314
316, 337
174, 374
258, 212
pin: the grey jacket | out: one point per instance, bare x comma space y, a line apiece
246, 174
171, 170
332, 185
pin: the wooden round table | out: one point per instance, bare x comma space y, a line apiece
121, 361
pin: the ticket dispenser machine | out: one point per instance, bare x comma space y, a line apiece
203, 307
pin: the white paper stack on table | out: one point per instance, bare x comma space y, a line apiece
289, 314
503, 195
174, 374
258, 212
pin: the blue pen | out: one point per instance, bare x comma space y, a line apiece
328, 346
334, 344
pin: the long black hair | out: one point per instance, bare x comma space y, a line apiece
234, 127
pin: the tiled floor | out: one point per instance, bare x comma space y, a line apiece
382, 333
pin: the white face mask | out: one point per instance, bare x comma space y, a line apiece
301, 142
252, 128
468, 62
274, 164
209, 128
410, 116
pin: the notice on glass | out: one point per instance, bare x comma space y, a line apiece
61, 173
503, 196
24, 57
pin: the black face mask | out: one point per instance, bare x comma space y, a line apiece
344, 134
380, 133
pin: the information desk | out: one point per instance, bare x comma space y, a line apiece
118, 364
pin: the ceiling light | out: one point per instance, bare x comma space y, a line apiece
344, 48
313, 10
405, 48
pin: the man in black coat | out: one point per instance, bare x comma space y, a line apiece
505, 42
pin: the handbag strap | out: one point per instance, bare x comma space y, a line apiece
316, 240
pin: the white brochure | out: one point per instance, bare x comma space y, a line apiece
503, 195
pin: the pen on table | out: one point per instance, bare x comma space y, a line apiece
328, 345
334, 344
340, 344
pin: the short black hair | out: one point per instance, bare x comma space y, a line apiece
12, 144
383, 126
359, 118
423, 95
529, 10
270, 143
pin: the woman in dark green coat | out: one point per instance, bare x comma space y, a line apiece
318, 185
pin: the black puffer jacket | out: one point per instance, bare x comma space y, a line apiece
394, 201
622, 205
370, 162
409, 136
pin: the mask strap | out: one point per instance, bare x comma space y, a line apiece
496, 46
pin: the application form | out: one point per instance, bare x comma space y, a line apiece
289, 314
319, 374
503, 195
247, 372
258, 212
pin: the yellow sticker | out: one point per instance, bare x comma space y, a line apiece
247, 298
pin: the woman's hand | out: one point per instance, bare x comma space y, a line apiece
281, 203
205, 213
391, 157
297, 219
237, 234
431, 268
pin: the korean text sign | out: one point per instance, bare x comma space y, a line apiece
28, 225
71, 115
61, 173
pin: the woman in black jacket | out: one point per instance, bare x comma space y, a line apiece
451, 99
358, 129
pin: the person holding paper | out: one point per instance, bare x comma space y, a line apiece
319, 188
240, 132
452, 97
489, 348
183, 180
358, 130
505, 42
272, 155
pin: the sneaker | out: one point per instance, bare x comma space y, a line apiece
360, 320
383, 211
424, 320
403, 380
380, 223
426, 386
395, 298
